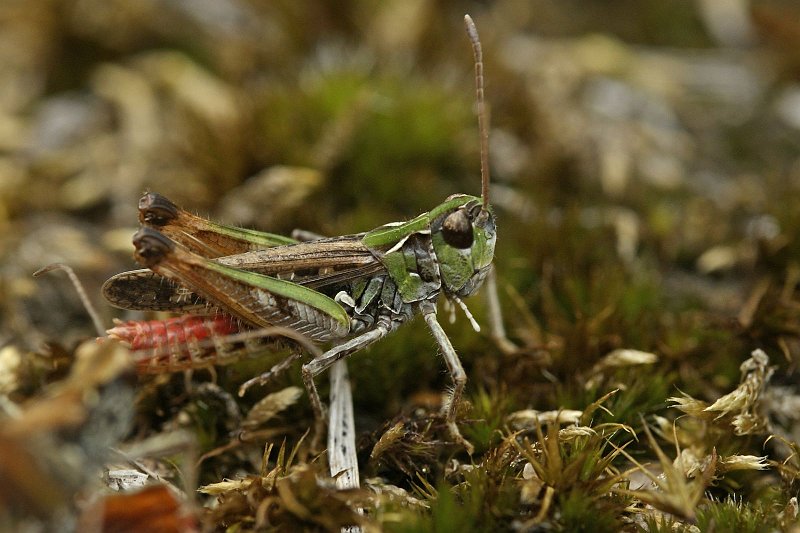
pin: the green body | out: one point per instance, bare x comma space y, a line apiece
274, 280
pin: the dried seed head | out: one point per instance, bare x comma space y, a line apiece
271, 405
741, 408
573, 432
530, 418
741, 462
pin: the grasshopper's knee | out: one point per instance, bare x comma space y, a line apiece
307, 372
459, 378
316, 366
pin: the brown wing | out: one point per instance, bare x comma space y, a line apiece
316, 264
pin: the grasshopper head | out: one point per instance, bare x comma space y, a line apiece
464, 232
463, 239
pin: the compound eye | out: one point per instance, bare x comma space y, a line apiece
457, 230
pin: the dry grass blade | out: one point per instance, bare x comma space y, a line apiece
87, 302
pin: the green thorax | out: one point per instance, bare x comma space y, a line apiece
421, 263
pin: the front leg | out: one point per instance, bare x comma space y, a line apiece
497, 329
428, 309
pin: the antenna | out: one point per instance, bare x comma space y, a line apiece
483, 127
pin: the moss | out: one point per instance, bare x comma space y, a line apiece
644, 200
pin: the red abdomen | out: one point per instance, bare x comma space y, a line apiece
175, 343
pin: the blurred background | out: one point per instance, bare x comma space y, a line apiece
645, 159
644, 154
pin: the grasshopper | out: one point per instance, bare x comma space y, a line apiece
350, 291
